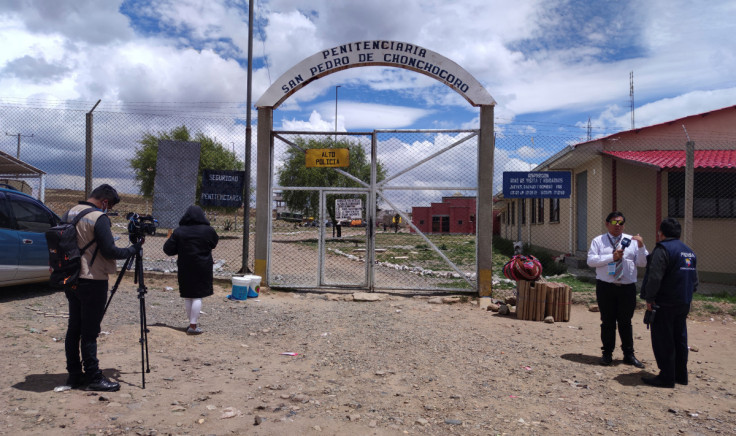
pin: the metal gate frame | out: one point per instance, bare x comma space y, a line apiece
373, 190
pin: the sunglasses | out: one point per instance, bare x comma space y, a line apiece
616, 222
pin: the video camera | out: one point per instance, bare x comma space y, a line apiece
140, 225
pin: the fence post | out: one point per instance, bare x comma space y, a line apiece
689, 191
88, 154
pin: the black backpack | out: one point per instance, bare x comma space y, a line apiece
65, 256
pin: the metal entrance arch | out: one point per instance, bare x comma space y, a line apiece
383, 53
388, 238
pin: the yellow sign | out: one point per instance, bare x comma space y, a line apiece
327, 157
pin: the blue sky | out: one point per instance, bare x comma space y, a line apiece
549, 64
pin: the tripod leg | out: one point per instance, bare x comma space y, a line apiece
145, 330
145, 367
117, 283
142, 340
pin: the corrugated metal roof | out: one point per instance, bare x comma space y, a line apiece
676, 158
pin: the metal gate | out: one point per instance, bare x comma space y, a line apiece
411, 221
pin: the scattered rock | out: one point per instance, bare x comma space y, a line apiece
230, 412
354, 417
503, 309
694, 348
368, 296
258, 420
493, 307
453, 422
593, 308
549, 319
511, 301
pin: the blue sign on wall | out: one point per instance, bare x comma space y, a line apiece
536, 184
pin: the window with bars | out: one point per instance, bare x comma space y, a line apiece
540, 210
714, 194
522, 210
554, 210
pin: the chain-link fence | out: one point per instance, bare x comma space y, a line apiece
420, 231
53, 142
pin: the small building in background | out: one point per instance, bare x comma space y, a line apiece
454, 215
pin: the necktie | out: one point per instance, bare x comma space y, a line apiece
619, 271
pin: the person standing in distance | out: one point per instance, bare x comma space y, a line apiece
670, 281
87, 300
193, 241
615, 256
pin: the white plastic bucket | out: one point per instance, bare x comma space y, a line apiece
254, 286
240, 287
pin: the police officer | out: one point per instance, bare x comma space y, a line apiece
669, 283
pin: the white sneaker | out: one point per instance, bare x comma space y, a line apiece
194, 331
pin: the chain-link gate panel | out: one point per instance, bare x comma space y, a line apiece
316, 239
376, 241
426, 232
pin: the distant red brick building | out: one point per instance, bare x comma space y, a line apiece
453, 215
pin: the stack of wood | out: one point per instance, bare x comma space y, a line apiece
530, 302
537, 300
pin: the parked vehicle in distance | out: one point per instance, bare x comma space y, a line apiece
290, 217
24, 255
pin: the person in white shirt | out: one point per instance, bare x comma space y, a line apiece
615, 256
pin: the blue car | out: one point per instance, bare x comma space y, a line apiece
24, 256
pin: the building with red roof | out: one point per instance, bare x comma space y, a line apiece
642, 173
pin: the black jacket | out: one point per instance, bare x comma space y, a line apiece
193, 241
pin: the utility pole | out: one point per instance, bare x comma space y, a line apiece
17, 155
246, 195
590, 128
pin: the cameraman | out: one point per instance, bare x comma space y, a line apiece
669, 282
87, 300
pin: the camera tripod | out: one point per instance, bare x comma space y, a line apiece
137, 260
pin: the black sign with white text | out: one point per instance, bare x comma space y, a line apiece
222, 188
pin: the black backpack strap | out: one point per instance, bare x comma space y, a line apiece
74, 223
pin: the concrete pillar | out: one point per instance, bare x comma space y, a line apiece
263, 192
485, 201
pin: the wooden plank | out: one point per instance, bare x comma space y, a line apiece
550, 301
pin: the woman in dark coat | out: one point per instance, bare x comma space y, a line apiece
193, 241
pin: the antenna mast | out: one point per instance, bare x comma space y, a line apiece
631, 96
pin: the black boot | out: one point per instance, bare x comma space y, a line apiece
630, 359
606, 359
100, 383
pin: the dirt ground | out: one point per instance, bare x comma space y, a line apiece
401, 365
